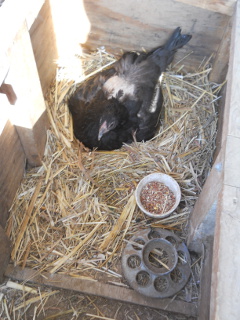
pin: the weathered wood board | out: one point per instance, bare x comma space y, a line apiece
23, 130
100, 289
226, 259
225, 7
43, 40
13, 14
133, 25
12, 160
30, 111
202, 220
5, 249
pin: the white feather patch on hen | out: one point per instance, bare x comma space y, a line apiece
154, 101
112, 86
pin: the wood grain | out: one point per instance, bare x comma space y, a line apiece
133, 25
12, 159
206, 276
226, 260
234, 78
225, 7
100, 289
5, 250
30, 112
4, 66
22, 78
9, 92
13, 14
221, 58
43, 40
232, 162
202, 219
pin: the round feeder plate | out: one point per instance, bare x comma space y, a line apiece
156, 263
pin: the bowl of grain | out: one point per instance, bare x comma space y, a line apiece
158, 195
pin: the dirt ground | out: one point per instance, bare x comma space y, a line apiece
69, 305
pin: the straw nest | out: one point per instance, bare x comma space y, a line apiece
74, 214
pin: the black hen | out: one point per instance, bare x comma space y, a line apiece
101, 123
124, 100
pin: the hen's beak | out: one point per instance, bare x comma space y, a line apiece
102, 130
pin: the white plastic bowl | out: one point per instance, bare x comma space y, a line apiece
165, 179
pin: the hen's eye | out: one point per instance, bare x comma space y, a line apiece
111, 125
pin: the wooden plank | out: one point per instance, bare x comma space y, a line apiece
34, 8
226, 259
205, 280
224, 7
221, 58
221, 111
56, 34
29, 114
232, 112
8, 91
232, 161
100, 289
12, 160
12, 15
43, 40
4, 110
234, 78
5, 251
4, 66
202, 219
130, 25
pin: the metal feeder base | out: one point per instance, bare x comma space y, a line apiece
156, 263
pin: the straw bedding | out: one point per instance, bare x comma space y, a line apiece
74, 214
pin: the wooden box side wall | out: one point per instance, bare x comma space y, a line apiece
124, 25
44, 46
134, 25
23, 135
13, 160
119, 26
226, 260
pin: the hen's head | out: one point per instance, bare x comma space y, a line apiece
113, 115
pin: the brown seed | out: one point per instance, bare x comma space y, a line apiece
157, 198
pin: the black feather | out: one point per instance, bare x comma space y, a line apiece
86, 122
127, 96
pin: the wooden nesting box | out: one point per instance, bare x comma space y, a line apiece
35, 33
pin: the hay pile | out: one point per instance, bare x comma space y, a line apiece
74, 214
16, 300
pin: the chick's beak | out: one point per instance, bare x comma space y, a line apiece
102, 130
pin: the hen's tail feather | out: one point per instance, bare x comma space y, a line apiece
177, 40
163, 56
